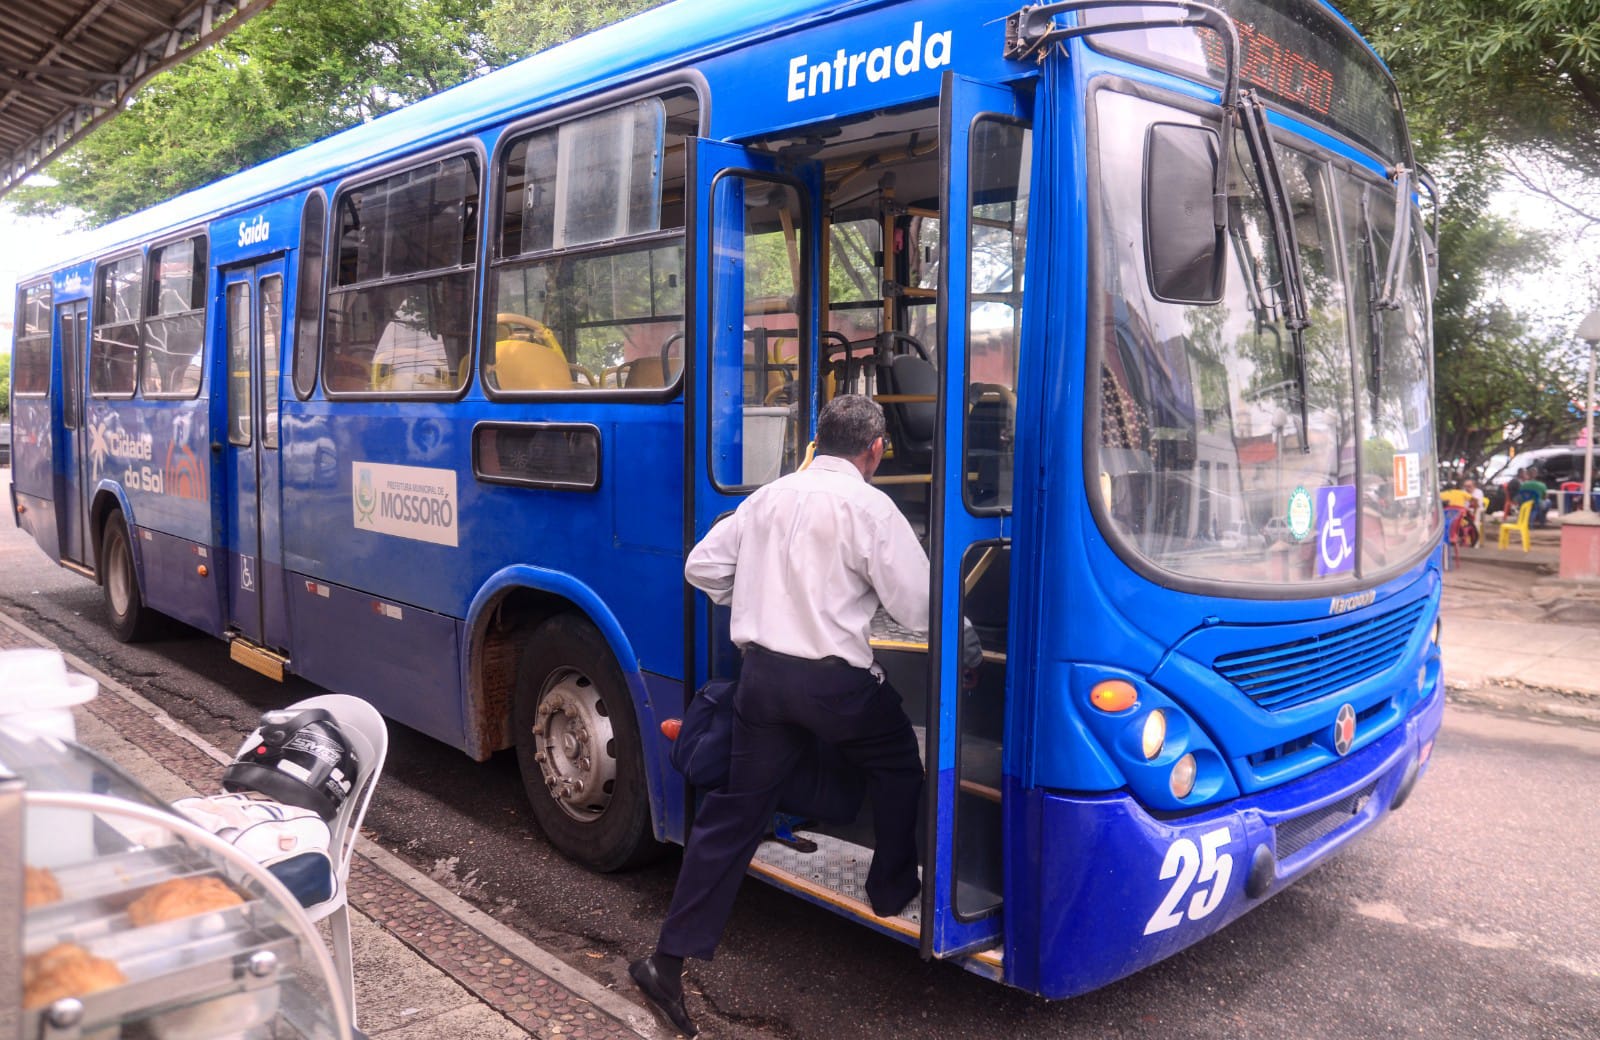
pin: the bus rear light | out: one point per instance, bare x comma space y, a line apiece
201, 570
1155, 734
1182, 779
1114, 695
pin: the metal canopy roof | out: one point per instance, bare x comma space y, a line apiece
66, 66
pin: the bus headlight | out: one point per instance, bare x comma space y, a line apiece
1182, 778
1155, 733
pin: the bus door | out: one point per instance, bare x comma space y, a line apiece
753, 285
76, 479
253, 337
986, 144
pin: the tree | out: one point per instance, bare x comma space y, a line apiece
5, 387
1519, 79
517, 28
1498, 383
301, 71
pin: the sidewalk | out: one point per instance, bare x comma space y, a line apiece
428, 965
1518, 637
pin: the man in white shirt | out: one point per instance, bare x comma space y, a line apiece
804, 563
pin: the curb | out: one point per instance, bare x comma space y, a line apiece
377, 869
1519, 699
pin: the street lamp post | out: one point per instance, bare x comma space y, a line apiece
1589, 332
1580, 532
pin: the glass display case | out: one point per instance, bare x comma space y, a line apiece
119, 918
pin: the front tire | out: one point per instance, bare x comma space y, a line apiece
579, 750
131, 620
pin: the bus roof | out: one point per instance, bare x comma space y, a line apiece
668, 36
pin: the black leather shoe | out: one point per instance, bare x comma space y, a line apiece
649, 982
892, 905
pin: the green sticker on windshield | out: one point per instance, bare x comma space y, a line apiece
1300, 514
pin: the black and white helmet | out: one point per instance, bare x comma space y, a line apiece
297, 758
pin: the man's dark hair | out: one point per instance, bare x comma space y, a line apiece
848, 425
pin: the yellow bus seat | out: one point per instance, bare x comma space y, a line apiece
521, 364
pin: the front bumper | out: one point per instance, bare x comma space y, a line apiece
1111, 889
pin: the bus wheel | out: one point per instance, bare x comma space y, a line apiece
578, 747
131, 620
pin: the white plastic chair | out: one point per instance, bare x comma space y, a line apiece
369, 737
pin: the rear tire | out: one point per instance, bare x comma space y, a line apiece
131, 620
579, 750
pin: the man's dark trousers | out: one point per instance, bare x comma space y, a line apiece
780, 704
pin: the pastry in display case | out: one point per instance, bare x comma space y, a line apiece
127, 921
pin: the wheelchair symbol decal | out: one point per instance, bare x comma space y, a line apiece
1336, 530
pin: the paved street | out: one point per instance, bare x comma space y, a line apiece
1471, 913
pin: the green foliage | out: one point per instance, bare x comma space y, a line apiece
5, 387
1489, 83
297, 73
517, 28
1512, 73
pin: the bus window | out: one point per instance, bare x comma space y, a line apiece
1001, 155
114, 353
271, 335
308, 295
400, 312
855, 300
574, 308
174, 326
30, 363
239, 431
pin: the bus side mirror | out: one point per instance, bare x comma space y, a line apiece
1183, 243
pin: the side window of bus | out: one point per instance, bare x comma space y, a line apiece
587, 293
114, 351
400, 310
30, 362
175, 320
308, 297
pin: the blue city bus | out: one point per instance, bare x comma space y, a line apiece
430, 411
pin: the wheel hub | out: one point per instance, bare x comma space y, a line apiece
576, 750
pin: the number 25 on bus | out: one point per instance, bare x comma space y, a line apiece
430, 411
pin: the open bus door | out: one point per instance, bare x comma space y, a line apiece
75, 480
986, 146
752, 286
253, 338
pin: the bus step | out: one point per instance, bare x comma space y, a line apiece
257, 658
80, 570
835, 875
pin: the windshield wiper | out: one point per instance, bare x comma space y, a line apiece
1394, 279
1253, 119
1374, 326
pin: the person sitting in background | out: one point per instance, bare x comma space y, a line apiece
1533, 490
1478, 500
1464, 530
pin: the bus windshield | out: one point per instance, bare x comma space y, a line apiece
1214, 462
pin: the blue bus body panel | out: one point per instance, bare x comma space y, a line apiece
1101, 897
172, 583
33, 461
402, 657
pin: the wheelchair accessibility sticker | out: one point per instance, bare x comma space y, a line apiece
1336, 529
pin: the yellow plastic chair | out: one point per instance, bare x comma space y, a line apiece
1524, 514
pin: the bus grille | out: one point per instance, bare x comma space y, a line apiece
1282, 676
1301, 831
